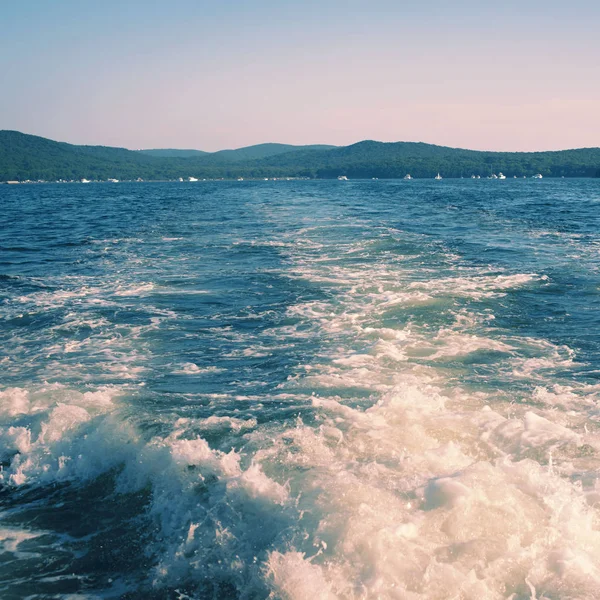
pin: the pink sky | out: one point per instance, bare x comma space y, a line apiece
191, 74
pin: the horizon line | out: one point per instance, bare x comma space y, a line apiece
333, 146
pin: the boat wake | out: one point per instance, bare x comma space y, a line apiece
411, 444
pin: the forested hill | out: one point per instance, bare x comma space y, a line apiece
387, 160
26, 157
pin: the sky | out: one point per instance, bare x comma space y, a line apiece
209, 75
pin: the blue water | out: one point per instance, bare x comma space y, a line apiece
300, 389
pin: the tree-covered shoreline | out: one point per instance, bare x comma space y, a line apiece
26, 157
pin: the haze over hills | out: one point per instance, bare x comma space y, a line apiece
172, 153
27, 157
246, 153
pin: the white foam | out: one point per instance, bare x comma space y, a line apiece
134, 290
293, 577
408, 494
517, 437
13, 402
214, 422
476, 287
568, 397
64, 445
194, 369
457, 344
550, 357
12, 537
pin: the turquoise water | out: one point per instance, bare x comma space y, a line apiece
299, 390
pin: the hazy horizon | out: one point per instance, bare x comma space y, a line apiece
307, 144
193, 75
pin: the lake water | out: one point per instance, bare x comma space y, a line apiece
300, 390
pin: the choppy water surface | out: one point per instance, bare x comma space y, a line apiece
300, 390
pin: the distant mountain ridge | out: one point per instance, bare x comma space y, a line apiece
238, 154
28, 157
172, 153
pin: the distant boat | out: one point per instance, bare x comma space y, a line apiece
192, 179
538, 176
240, 179
493, 176
113, 180
342, 178
407, 176
501, 176
180, 179
84, 180
438, 176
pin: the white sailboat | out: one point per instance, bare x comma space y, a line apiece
438, 176
501, 176
407, 176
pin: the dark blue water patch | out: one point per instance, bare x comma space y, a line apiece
87, 550
34, 320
